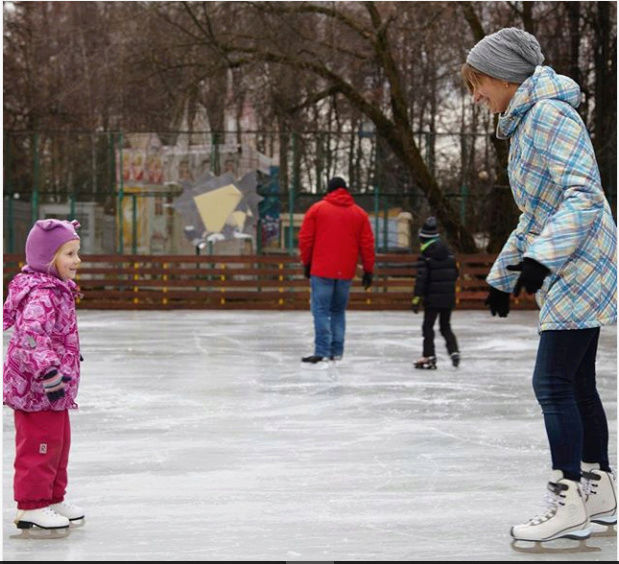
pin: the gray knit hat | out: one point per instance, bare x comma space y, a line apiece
509, 54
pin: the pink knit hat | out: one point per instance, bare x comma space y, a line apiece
45, 238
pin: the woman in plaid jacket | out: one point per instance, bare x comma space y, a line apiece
563, 251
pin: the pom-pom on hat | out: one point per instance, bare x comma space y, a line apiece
335, 183
429, 230
510, 54
45, 238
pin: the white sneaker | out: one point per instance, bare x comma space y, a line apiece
44, 517
565, 516
68, 510
600, 494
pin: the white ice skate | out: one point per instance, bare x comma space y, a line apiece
44, 518
565, 516
68, 510
600, 494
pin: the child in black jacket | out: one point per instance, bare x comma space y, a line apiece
435, 287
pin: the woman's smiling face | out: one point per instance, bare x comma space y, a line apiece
493, 93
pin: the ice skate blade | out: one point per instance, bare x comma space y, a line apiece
603, 530
37, 533
76, 523
607, 520
579, 534
561, 545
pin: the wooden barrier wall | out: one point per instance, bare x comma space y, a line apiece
251, 282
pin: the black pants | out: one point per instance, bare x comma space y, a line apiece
429, 317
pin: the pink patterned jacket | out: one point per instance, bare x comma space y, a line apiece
42, 309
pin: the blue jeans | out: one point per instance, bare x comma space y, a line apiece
328, 302
564, 384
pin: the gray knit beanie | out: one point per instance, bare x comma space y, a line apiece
509, 54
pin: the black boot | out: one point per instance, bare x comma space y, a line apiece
426, 362
312, 359
455, 359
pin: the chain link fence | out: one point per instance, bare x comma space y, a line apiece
123, 187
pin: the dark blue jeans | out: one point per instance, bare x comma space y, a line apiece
564, 384
329, 300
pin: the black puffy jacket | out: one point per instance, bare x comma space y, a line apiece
436, 276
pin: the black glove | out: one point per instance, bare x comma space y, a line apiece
415, 303
306, 269
498, 302
54, 384
531, 277
367, 279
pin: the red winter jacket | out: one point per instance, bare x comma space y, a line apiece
335, 231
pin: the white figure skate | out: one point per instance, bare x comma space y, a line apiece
565, 516
600, 494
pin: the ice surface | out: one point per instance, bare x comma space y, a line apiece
200, 436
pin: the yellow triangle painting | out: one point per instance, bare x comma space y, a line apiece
215, 206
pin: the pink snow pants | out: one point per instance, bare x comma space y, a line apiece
42, 442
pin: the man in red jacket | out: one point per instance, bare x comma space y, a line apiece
335, 231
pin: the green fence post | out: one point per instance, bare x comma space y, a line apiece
134, 224
11, 228
259, 237
464, 192
385, 227
72, 205
291, 219
291, 194
376, 210
34, 203
120, 195
8, 183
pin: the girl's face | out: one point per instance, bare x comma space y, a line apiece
67, 260
495, 94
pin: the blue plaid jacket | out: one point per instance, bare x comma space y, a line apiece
566, 223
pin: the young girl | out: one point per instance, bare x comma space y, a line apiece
42, 372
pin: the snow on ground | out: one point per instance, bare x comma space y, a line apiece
200, 436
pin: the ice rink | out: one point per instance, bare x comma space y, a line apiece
201, 436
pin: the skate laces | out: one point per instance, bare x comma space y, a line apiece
590, 481
552, 499
48, 510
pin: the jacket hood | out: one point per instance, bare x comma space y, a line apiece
23, 284
340, 197
543, 84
